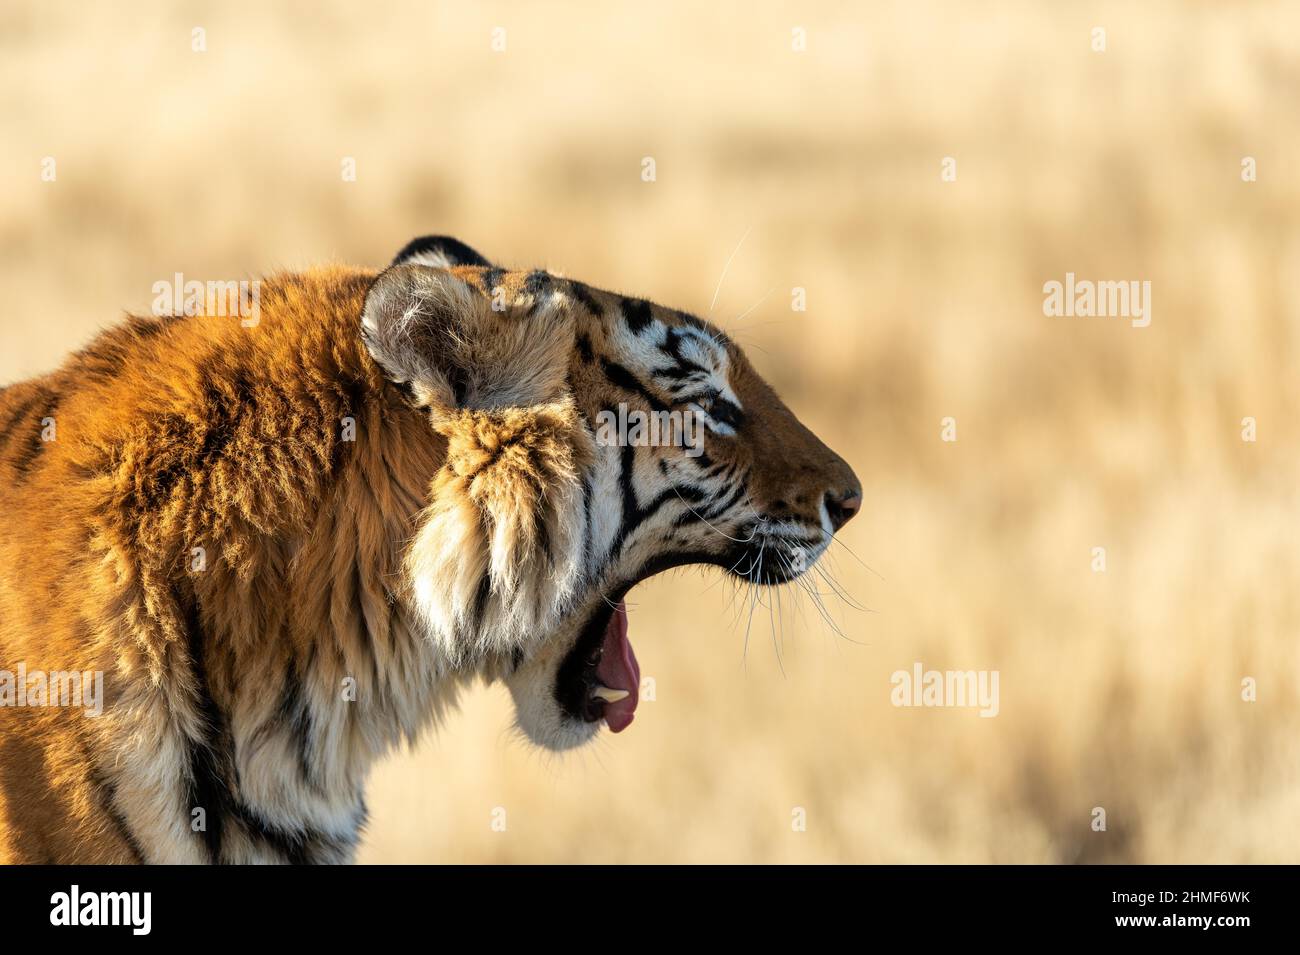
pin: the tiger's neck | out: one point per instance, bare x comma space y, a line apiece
355, 672
285, 662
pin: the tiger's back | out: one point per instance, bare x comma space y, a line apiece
164, 439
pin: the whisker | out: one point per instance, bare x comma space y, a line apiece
838, 590
724, 576
835, 540
816, 596
709, 525
817, 602
754, 602
723, 277
765, 297
772, 623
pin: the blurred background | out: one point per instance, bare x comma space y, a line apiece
1119, 689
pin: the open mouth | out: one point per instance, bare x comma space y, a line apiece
600, 678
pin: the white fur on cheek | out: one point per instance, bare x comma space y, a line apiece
497, 560
537, 712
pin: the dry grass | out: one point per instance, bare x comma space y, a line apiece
1119, 689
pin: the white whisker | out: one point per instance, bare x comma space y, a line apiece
723, 277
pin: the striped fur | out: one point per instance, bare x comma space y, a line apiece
288, 547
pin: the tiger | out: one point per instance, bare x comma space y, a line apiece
285, 547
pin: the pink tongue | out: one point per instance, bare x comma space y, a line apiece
618, 670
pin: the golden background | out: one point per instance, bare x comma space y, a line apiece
1119, 690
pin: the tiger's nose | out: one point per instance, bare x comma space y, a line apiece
842, 505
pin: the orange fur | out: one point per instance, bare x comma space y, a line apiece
173, 434
287, 546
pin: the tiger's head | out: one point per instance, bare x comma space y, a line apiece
592, 441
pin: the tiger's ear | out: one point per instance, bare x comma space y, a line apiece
457, 347
439, 252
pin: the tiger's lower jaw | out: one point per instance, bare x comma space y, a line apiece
568, 689
564, 693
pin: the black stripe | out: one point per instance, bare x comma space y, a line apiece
680, 372
406, 389
458, 378
537, 281
208, 782
542, 533
728, 413
624, 379
671, 346
713, 334
358, 597
293, 847
588, 534
13, 425
582, 295
492, 279
27, 453
633, 512
103, 361
481, 598
731, 502
686, 518
688, 493
636, 312
212, 775
107, 793
536, 284
295, 718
